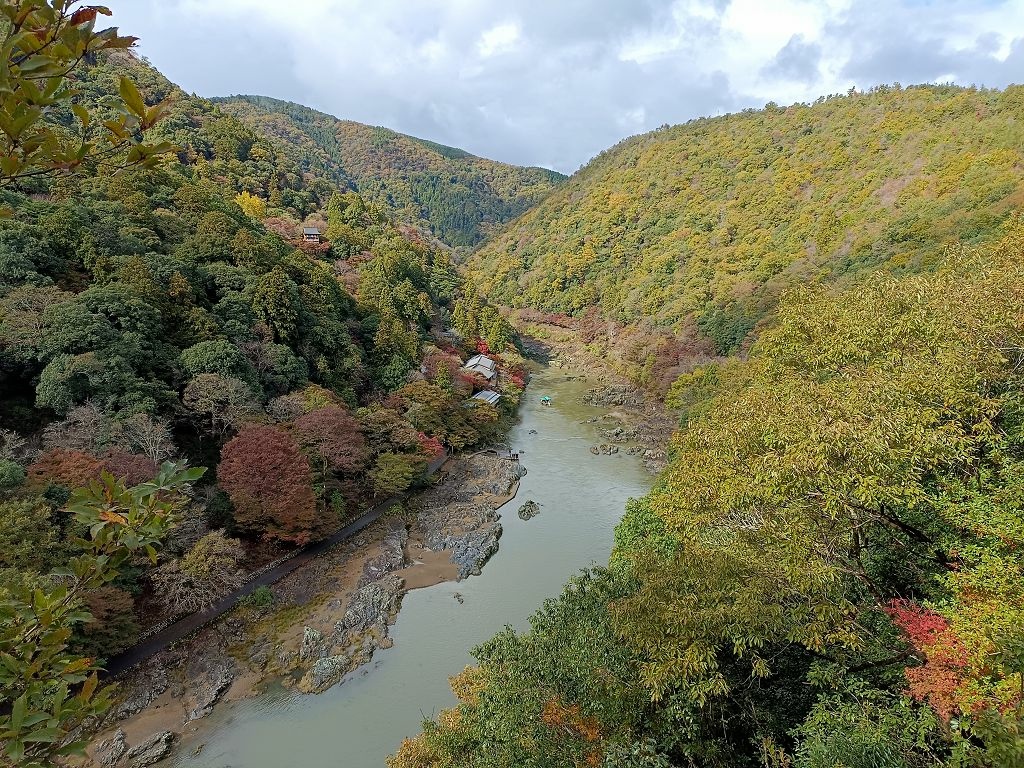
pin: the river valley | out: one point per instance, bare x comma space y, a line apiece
358, 723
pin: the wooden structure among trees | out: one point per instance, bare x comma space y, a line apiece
311, 234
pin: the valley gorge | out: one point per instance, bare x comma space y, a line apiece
703, 456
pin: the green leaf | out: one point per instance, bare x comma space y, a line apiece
18, 712
43, 736
82, 114
16, 750
132, 98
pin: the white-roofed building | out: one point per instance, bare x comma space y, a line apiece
482, 365
488, 396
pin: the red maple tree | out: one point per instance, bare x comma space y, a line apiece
335, 438
133, 468
430, 446
269, 482
73, 469
938, 681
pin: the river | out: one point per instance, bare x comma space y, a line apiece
358, 723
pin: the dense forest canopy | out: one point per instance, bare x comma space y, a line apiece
828, 574
459, 197
700, 227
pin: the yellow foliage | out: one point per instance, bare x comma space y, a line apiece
672, 226
252, 206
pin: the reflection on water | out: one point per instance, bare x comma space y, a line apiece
357, 724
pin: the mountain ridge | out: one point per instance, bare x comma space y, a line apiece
463, 198
662, 229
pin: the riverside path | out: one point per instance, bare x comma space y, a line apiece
183, 627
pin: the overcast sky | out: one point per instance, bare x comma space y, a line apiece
553, 82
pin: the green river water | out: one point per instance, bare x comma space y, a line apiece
358, 723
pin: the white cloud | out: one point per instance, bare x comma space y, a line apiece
502, 38
553, 83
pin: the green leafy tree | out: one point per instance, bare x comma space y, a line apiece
395, 473
28, 537
44, 42
11, 474
443, 378
276, 302
219, 357
51, 690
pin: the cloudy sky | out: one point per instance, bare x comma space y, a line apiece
553, 82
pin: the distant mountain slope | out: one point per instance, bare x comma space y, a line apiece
463, 198
705, 224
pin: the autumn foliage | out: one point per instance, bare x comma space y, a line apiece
73, 469
133, 468
939, 680
569, 719
430, 446
334, 439
270, 484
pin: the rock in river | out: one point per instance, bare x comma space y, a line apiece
372, 606
110, 751
312, 644
209, 691
529, 510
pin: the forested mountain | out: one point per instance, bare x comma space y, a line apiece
828, 575
176, 312
460, 197
700, 227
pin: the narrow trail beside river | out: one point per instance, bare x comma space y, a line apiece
186, 625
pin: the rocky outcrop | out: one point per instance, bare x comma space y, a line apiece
472, 550
372, 606
392, 553
110, 752
209, 691
324, 673
529, 510
605, 449
623, 434
148, 683
620, 395
362, 630
364, 626
312, 644
152, 750
461, 516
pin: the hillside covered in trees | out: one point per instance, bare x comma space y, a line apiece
461, 198
699, 228
175, 312
829, 573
